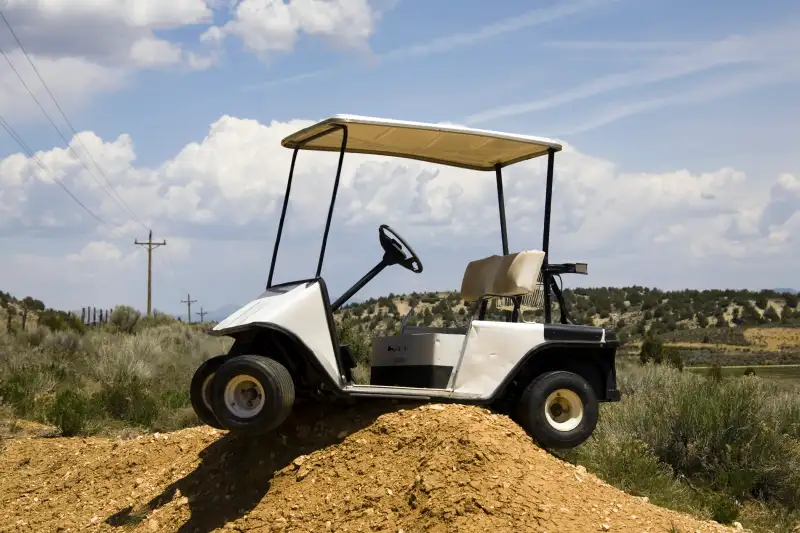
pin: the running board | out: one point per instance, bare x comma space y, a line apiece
409, 393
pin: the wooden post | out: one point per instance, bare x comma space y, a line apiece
188, 301
150, 246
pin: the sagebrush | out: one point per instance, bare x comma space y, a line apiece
133, 372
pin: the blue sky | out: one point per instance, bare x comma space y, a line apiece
680, 167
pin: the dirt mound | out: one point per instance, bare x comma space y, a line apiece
373, 468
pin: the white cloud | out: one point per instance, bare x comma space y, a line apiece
96, 252
230, 185
109, 34
217, 201
75, 80
152, 52
136, 13
789, 184
86, 47
177, 249
782, 207
201, 61
267, 26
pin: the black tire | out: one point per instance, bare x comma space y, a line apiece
532, 410
275, 403
200, 391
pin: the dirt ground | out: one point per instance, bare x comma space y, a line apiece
378, 467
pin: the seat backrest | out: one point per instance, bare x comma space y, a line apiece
502, 275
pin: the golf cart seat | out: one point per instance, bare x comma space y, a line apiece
502, 276
496, 276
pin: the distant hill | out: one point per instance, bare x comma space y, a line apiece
790, 291
631, 311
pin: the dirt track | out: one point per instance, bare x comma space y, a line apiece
423, 468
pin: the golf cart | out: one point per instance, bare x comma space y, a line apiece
550, 377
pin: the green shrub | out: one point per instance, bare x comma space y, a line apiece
739, 438
724, 509
125, 318
351, 333
652, 350
24, 387
157, 318
70, 412
632, 466
673, 357
35, 336
63, 342
129, 401
59, 320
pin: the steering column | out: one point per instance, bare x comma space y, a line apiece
393, 254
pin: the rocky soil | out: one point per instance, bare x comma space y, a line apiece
377, 467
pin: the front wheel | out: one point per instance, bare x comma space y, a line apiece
252, 394
559, 409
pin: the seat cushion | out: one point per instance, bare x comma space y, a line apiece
502, 275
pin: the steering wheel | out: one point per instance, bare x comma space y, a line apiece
394, 255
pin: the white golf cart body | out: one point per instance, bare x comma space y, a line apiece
469, 365
479, 363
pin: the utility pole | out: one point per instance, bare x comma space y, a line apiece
202, 314
188, 301
150, 245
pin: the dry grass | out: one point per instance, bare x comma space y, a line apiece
105, 379
729, 450
774, 338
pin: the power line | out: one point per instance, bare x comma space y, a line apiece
53, 123
202, 314
30, 92
14, 135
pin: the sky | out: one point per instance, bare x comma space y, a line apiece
679, 169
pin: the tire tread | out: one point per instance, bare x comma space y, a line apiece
279, 386
542, 435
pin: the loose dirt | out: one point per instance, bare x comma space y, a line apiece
435, 468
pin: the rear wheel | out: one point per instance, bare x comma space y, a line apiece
559, 409
252, 394
200, 390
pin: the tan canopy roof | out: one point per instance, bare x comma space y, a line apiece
436, 143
